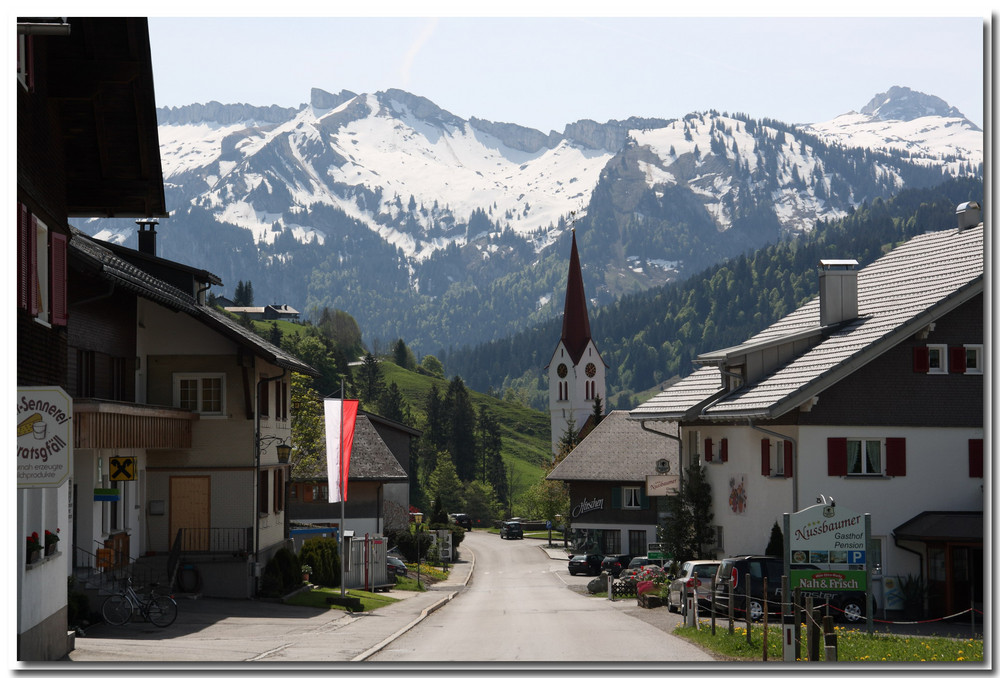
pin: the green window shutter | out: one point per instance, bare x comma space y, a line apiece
616, 497
643, 499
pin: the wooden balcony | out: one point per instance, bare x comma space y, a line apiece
118, 425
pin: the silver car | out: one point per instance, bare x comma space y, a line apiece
695, 578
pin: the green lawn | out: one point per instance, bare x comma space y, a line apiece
853, 645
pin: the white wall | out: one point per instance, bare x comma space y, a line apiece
937, 479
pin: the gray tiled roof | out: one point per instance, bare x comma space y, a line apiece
371, 459
618, 450
88, 253
898, 295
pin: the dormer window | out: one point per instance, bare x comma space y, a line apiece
734, 376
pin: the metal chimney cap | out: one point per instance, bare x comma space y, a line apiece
838, 263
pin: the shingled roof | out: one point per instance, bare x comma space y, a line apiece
899, 294
88, 253
371, 458
618, 449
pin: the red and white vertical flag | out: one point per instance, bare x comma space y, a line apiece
340, 417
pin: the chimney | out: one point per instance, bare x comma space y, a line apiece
147, 238
838, 291
969, 214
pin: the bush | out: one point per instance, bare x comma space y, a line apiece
323, 556
281, 574
407, 542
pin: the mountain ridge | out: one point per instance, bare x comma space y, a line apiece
448, 232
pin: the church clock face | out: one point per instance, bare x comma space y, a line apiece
591, 370
562, 370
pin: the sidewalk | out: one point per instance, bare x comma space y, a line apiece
213, 630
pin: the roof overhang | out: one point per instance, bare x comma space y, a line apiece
100, 85
964, 526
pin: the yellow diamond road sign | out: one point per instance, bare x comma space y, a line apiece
123, 468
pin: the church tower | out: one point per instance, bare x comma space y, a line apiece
576, 370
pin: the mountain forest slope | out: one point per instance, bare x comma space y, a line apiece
649, 337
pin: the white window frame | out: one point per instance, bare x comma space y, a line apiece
942, 352
200, 376
777, 453
977, 351
42, 279
632, 497
864, 457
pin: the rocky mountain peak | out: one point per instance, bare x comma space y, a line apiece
903, 103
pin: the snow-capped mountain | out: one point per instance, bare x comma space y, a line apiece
924, 126
441, 230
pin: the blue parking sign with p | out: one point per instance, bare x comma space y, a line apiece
856, 557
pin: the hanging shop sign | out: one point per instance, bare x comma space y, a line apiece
44, 436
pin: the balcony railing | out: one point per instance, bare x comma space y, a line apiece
108, 424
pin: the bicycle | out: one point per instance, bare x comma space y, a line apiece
159, 609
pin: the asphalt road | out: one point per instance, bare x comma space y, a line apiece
520, 606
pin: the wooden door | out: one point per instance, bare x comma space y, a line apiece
190, 510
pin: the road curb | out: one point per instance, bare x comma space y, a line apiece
426, 612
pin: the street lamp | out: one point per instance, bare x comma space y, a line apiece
284, 452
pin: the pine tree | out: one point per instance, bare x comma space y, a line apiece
370, 381
461, 441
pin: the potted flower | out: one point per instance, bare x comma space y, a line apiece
34, 548
306, 571
51, 539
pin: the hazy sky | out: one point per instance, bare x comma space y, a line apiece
545, 72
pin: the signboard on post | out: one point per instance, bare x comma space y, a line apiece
828, 548
826, 551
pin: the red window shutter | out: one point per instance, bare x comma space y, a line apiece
895, 456
23, 256
836, 456
724, 450
57, 283
765, 457
956, 359
788, 458
34, 303
708, 449
921, 359
278, 490
265, 399
975, 457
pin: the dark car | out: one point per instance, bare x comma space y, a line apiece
464, 520
615, 563
585, 564
848, 606
395, 566
511, 530
732, 576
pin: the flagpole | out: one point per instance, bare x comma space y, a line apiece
343, 495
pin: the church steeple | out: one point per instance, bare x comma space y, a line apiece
576, 371
576, 323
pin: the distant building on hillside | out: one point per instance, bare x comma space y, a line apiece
269, 312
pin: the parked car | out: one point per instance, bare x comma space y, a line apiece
589, 563
732, 573
847, 605
395, 566
511, 530
700, 571
463, 519
615, 563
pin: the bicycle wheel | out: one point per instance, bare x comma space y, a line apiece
162, 611
116, 610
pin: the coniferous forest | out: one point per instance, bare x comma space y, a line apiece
650, 337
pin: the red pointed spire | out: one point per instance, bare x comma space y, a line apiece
576, 323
